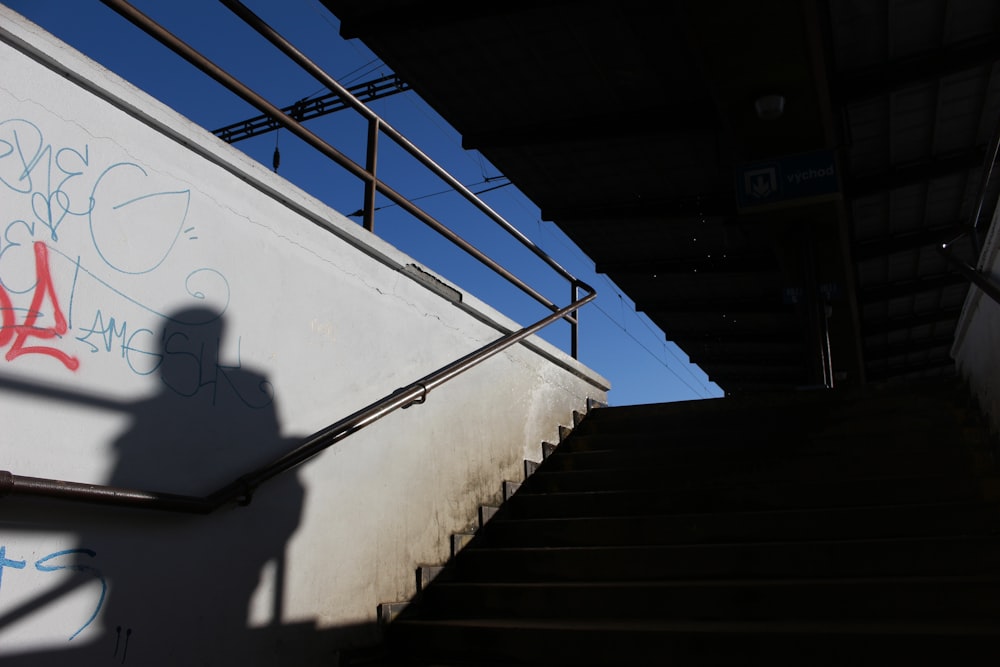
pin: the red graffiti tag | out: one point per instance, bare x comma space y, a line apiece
19, 333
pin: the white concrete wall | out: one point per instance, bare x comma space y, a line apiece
977, 340
117, 218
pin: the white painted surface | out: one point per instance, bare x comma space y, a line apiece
977, 339
117, 381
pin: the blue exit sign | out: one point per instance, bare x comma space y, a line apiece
790, 180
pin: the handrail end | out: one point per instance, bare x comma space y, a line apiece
6, 483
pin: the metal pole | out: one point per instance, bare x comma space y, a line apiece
371, 166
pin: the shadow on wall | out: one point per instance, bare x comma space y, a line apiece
177, 589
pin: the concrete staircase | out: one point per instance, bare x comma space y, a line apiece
818, 528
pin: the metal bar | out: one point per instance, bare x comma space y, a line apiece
241, 490
372, 165
18, 485
574, 322
313, 107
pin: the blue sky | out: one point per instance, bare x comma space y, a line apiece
615, 340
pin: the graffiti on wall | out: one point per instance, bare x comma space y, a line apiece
82, 238
15, 336
100, 271
58, 561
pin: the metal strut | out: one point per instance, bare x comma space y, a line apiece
312, 107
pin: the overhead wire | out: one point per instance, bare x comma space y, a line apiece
651, 353
435, 194
686, 365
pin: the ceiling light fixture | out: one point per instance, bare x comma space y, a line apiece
769, 107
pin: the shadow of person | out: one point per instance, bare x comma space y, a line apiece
182, 589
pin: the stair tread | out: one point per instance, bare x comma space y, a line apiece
916, 627
610, 503
787, 511
663, 527
870, 556
799, 492
964, 475
735, 582
723, 545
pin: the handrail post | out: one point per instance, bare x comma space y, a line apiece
371, 164
574, 321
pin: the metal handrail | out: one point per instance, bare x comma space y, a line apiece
241, 489
971, 273
367, 174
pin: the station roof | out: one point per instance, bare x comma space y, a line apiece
759, 177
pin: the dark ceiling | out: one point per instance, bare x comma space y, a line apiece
783, 252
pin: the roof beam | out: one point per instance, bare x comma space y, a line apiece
685, 339
864, 84
892, 244
911, 174
712, 204
355, 24
910, 287
886, 325
735, 306
753, 264
736, 355
917, 346
752, 374
670, 119
887, 372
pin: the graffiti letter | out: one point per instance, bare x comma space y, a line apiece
42, 566
43, 287
6, 562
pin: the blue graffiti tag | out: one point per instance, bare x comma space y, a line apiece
6, 562
42, 566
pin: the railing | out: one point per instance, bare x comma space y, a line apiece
970, 272
241, 489
368, 173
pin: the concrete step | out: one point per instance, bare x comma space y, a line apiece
893, 521
931, 556
717, 494
606, 643
816, 462
821, 528
940, 598
650, 502
789, 413
713, 440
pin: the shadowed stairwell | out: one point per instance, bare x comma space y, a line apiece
854, 527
